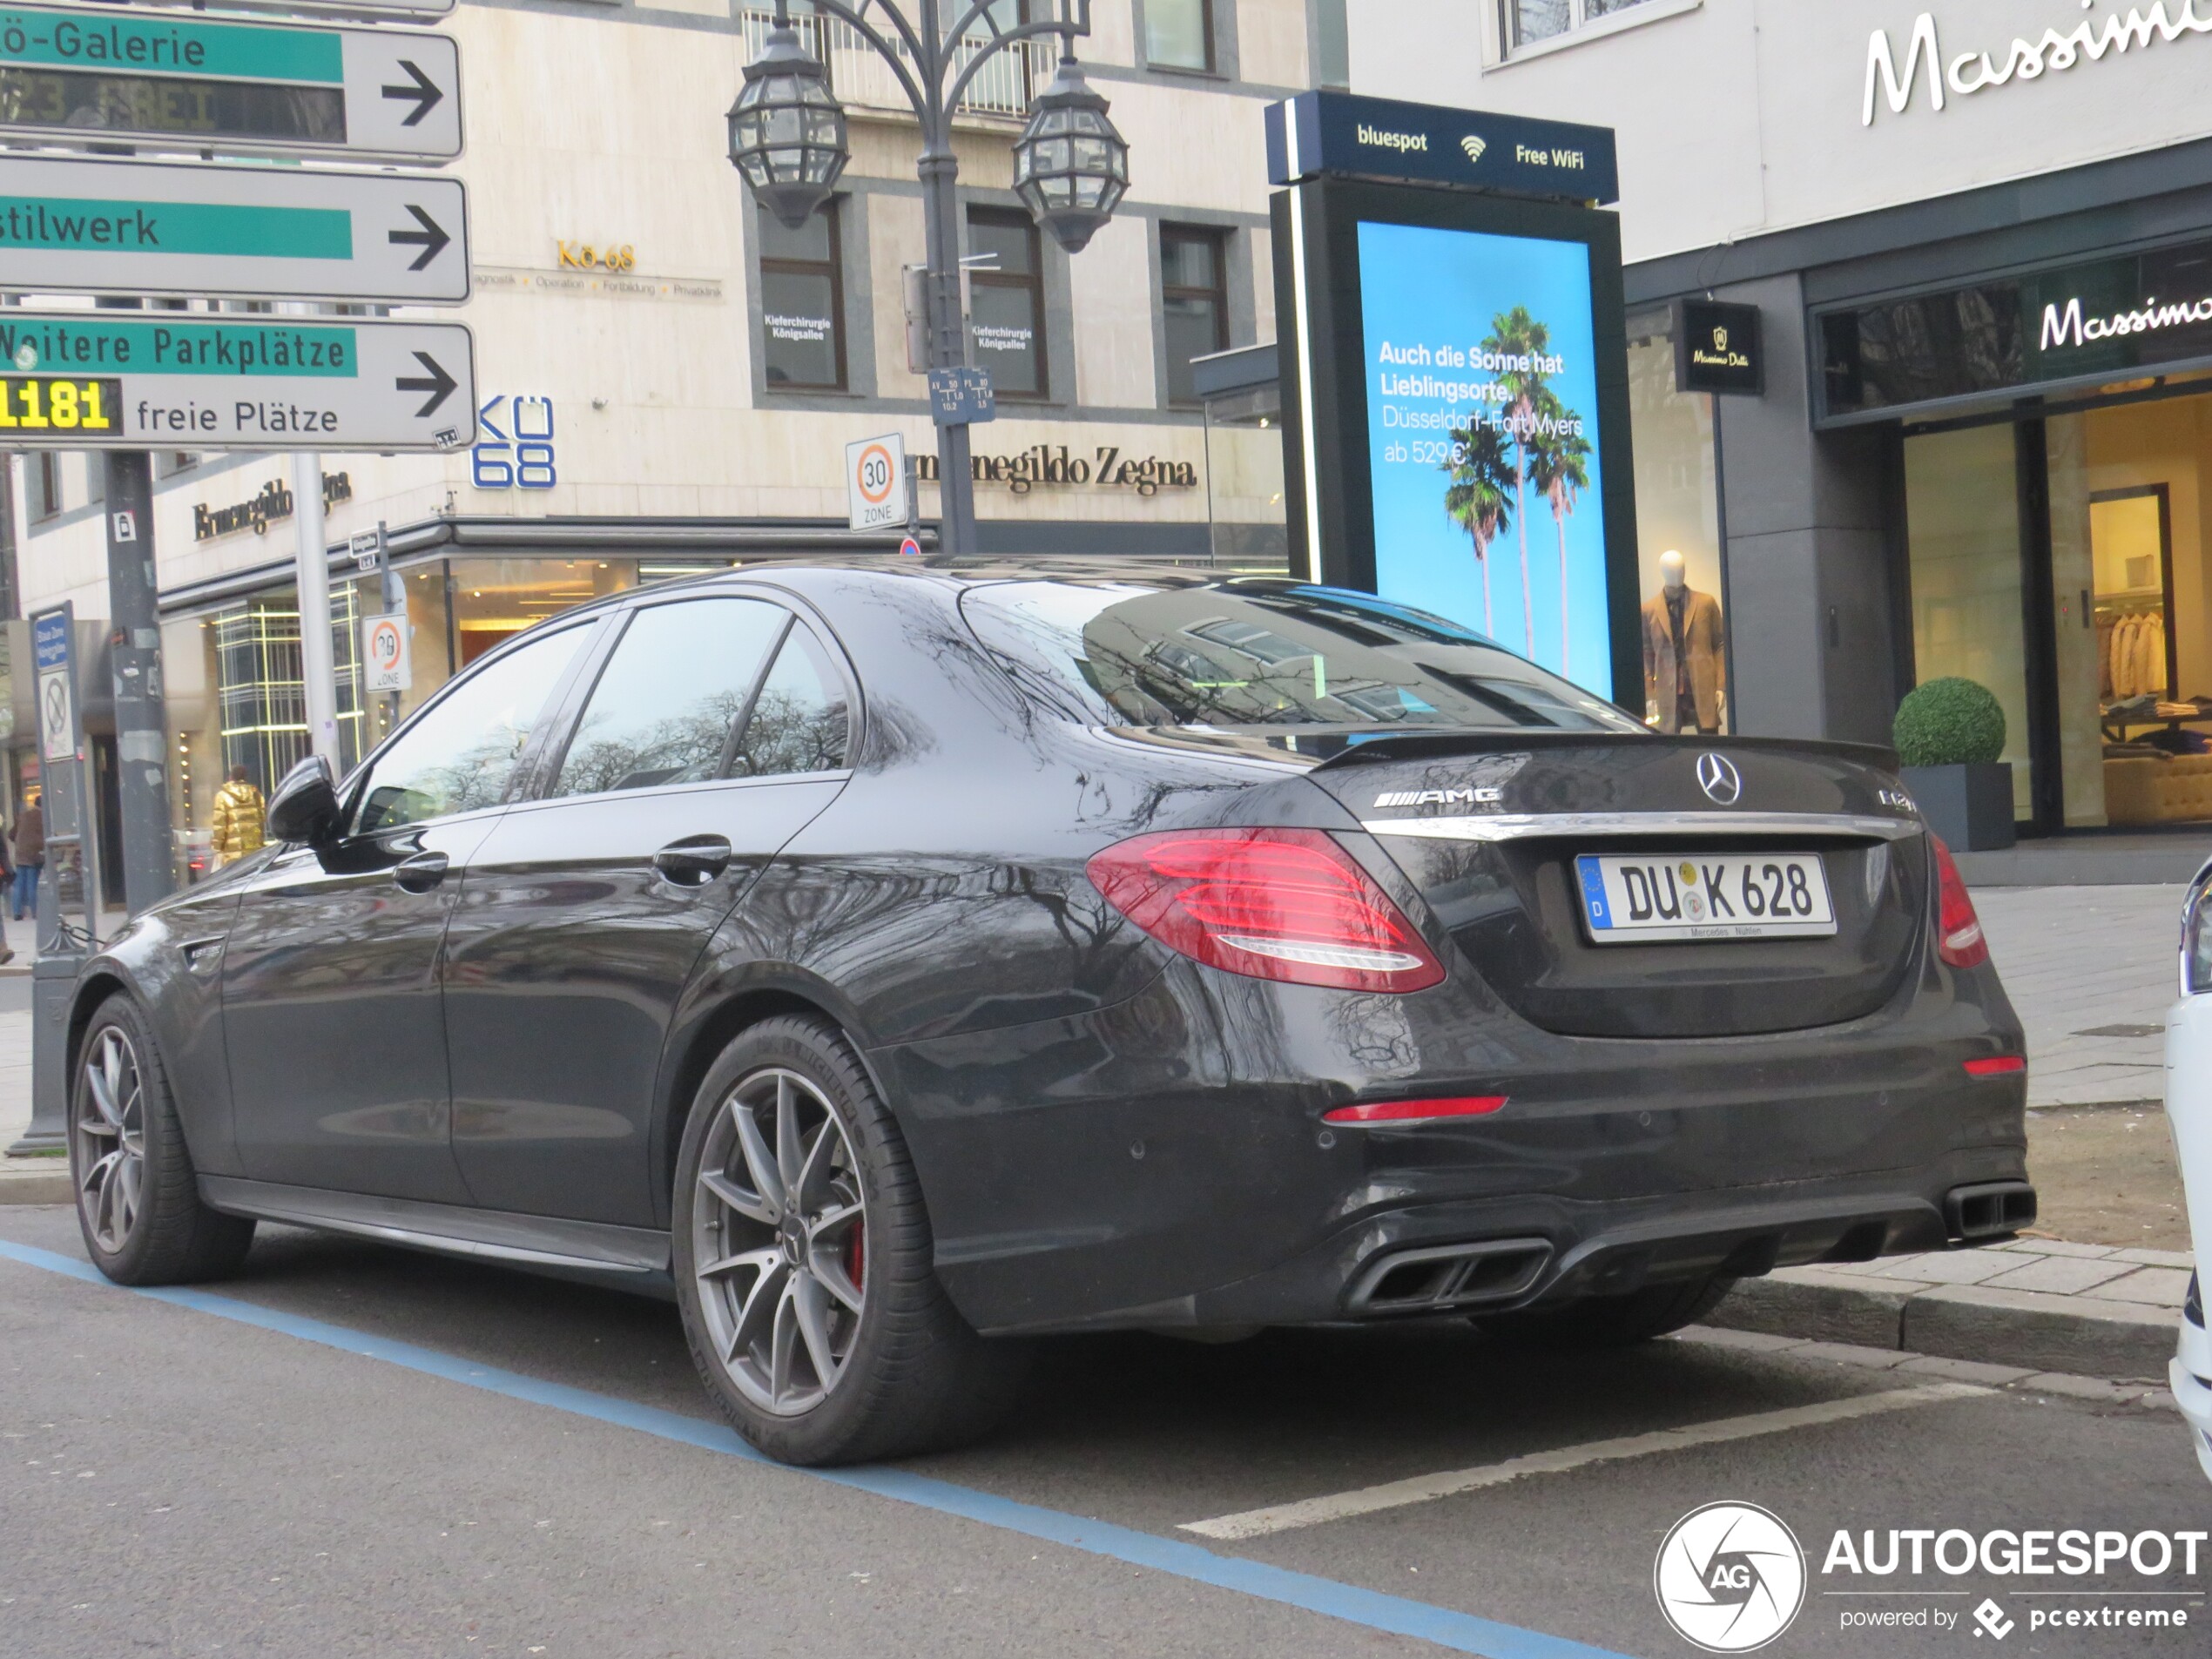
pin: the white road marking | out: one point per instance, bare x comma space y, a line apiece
1425, 1488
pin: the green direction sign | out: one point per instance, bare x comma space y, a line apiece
106, 380
69, 72
93, 225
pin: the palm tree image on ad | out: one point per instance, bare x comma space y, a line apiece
1560, 470
1482, 396
1476, 499
1517, 334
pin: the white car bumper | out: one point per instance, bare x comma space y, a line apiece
2191, 1377
2188, 1105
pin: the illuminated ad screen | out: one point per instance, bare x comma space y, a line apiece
1481, 371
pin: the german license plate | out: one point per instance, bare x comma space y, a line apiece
1652, 898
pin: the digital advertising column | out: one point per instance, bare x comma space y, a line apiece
1455, 373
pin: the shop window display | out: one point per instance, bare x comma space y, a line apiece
1681, 563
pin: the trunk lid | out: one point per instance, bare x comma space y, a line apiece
1490, 830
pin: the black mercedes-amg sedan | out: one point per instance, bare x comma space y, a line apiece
895, 960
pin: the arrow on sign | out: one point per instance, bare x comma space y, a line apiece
425, 93
431, 238
438, 385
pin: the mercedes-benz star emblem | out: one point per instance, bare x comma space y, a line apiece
1720, 780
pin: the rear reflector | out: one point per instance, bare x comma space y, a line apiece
2003, 1065
1958, 939
1413, 1111
1279, 904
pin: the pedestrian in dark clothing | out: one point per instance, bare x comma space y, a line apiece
30, 857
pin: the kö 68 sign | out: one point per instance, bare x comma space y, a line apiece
513, 450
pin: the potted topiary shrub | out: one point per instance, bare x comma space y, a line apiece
1949, 734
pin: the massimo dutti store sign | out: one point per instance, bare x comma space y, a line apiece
1923, 62
2075, 325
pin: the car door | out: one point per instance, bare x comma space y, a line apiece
715, 732
332, 1020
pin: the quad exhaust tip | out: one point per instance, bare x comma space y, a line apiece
1449, 1275
1990, 1210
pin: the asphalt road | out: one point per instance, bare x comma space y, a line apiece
517, 1466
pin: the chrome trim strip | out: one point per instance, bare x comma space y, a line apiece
1522, 826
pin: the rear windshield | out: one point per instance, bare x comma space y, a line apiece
1256, 653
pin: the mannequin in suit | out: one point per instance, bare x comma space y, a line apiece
1685, 654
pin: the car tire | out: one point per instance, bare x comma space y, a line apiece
1613, 1321
803, 1263
138, 1196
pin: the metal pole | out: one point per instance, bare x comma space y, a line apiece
318, 665
939, 171
141, 733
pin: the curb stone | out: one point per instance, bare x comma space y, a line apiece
35, 1181
2028, 1331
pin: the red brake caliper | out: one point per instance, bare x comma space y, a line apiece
856, 1252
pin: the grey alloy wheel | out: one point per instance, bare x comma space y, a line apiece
110, 1139
780, 1237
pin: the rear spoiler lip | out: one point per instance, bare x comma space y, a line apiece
1413, 745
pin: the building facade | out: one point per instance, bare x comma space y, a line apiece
1978, 234
669, 377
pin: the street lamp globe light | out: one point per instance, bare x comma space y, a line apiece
1070, 166
787, 130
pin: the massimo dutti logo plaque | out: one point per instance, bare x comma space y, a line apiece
1716, 348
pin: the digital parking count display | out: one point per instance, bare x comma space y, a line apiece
1455, 425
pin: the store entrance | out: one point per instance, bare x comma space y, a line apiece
2066, 563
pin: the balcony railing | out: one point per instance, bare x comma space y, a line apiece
863, 81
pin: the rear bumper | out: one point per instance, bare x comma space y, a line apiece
2191, 1378
1165, 1162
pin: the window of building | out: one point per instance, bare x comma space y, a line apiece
1006, 298
1178, 34
167, 463
41, 471
1529, 21
1194, 302
667, 705
95, 478
802, 302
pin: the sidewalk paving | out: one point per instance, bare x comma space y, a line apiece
2090, 971
2041, 1304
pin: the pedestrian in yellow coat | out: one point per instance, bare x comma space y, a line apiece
239, 821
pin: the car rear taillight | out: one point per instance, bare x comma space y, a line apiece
1958, 939
1279, 904
1998, 1065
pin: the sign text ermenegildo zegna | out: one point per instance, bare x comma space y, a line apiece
2093, 39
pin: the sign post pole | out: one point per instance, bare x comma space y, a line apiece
141, 742
318, 663
61, 950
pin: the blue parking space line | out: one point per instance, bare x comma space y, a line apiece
1461, 1632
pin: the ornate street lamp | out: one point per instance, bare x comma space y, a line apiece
1070, 166
787, 137
787, 129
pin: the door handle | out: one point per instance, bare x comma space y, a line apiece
421, 873
693, 861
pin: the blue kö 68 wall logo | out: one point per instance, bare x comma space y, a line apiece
1729, 1577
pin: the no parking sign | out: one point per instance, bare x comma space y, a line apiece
385, 666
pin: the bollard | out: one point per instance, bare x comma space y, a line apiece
53, 976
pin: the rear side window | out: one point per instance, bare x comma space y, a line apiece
800, 721
671, 696
462, 754
1243, 654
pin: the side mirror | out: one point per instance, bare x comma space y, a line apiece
305, 806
